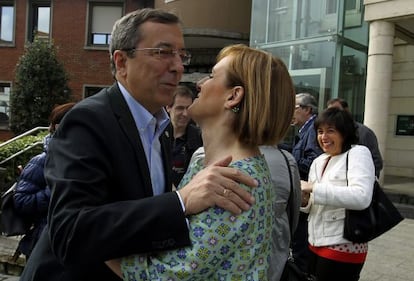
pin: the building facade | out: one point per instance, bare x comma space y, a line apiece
389, 102
208, 27
80, 30
358, 50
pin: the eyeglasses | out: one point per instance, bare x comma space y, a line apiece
301, 106
165, 53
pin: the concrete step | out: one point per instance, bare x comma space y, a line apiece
10, 266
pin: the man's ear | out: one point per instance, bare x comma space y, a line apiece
235, 97
309, 110
120, 59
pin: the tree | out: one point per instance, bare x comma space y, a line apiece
40, 84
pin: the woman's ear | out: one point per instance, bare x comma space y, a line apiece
235, 97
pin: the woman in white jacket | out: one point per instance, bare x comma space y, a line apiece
334, 186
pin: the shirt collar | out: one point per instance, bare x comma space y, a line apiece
307, 122
142, 117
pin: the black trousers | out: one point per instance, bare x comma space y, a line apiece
329, 270
300, 243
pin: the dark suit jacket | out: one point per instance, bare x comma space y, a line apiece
368, 138
102, 206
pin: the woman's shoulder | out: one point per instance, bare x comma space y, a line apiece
321, 158
359, 149
255, 166
40, 158
37, 162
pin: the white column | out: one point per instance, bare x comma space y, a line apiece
379, 78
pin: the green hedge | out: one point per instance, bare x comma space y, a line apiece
8, 170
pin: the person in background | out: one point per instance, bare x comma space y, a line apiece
286, 209
109, 163
187, 136
237, 110
305, 151
365, 135
334, 186
32, 195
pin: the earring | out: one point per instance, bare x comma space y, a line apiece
235, 109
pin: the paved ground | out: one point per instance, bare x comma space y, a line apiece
8, 278
390, 256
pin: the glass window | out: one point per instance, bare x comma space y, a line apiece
352, 80
281, 20
310, 66
102, 17
299, 55
5, 88
92, 90
331, 6
353, 13
39, 20
6, 23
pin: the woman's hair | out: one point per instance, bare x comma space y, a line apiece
266, 109
126, 32
343, 123
57, 115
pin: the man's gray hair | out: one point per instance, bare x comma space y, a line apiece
306, 99
126, 32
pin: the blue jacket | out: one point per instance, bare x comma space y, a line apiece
306, 149
32, 200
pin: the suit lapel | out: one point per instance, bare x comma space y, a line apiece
127, 124
166, 145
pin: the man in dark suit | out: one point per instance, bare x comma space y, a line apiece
305, 151
109, 163
366, 136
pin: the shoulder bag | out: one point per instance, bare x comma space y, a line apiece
12, 223
380, 216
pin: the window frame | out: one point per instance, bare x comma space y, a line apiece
13, 28
33, 15
89, 22
5, 98
87, 88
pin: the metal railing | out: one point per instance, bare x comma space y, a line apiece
30, 132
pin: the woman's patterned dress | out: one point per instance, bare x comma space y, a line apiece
224, 246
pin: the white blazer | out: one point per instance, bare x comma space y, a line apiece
336, 190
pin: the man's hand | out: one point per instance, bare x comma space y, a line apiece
218, 185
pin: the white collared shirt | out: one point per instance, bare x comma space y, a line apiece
150, 128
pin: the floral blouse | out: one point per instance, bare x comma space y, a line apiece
224, 246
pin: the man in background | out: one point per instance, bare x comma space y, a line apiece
366, 136
187, 136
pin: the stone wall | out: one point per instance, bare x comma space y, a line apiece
399, 156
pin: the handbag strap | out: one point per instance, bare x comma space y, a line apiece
290, 200
346, 167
